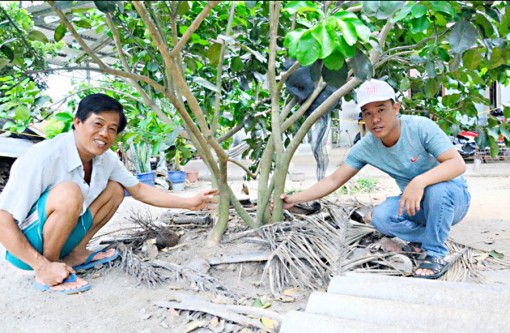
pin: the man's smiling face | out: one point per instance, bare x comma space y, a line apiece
96, 134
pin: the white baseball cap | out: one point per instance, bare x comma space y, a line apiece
373, 91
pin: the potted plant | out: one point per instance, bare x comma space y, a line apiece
141, 157
179, 154
175, 173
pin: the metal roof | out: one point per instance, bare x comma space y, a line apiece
46, 21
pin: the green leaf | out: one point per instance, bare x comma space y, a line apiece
64, 116
325, 35
442, 7
472, 58
106, 6
443, 54
184, 7
419, 10
505, 130
60, 32
506, 111
236, 64
3, 62
37, 35
206, 84
335, 78
419, 25
431, 87
82, 23
347, 50
488, 29
497, 58
152, 66
492, 121
370, 7
308, 49
455, 62
348, 31
362, 30
257, 303
430, 68
41, 100
481, 140
361, 66
22, 112
334, 61
495, 254
405, 84
403, 13
213, 53
291, 40
388, 8
450, 100
462, 37
493, 144
302, 7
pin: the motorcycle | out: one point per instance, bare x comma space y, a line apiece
465, 143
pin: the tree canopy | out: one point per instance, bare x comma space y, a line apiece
213, 68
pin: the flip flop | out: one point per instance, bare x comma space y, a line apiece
90, 264
71, 278
437, 265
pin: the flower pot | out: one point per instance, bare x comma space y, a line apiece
176, 176
177, 179
178, 187
192, 175
148, 178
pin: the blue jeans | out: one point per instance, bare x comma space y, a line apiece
443, 205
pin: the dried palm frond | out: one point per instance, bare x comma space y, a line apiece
144, 272
466, 263
303, 253
201, 281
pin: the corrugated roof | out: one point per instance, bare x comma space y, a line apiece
46, 21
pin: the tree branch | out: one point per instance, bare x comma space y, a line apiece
219, 71
193, 27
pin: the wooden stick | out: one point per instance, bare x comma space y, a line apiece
193, 303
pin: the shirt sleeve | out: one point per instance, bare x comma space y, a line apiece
355, 156
434, 140
119, 172
26, 184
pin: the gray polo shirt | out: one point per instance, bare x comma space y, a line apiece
54, 161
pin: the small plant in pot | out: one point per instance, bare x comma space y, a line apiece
140, 154
179, 154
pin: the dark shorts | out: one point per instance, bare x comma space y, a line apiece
34, 231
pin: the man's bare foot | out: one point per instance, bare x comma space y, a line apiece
79, 257
70, 285
431, 268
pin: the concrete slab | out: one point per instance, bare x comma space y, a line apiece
460, 295
406, 315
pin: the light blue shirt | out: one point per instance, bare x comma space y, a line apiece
54, 161
421, 142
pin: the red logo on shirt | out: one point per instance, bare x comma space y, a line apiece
414, 159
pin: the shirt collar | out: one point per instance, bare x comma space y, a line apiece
73, 158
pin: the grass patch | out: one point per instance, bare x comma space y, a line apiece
359, 185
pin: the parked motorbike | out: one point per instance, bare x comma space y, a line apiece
465, 143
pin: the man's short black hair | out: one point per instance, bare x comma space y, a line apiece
97, 103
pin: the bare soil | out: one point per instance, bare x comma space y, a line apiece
117, 303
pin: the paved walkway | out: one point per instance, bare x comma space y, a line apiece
303, 163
